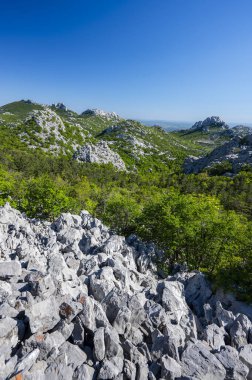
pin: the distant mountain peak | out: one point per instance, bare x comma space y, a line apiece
60, 106
98, 112
210, 122
27, 101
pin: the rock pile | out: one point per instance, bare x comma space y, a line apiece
99, 153
79, 302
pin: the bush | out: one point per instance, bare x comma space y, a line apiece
197, 230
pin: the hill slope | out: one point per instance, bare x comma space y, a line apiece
230, 157
59, 131
211, 133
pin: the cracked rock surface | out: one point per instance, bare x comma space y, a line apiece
99, 153
79, 302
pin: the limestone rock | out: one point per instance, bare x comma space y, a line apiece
229, 358
84, 303
99, 344
85, 372
101, 113
99, 153
209, 122
43, 315
10, 269
239, 331
170, 369
111, 368
199, 363
214, 336
245, 355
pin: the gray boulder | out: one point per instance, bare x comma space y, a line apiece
27, 362
10, 269
71, 355
84, 372
224, 317
59, 371
199, 363
112, 343
214, 336
43, 315
129, 370
162, 345
122, 320
245, 355
9, 336
170, 369
87, 315
78, 333
99, 344
229, 358
197, 290
111, 368
174, 303
240, 330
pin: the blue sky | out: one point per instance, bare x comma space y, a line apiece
149, 59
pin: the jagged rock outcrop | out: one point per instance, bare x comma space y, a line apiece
133, 136
99, 153
237, 153
47, 126
79, 302
60, 106
208, 123
46, 129
101, 113
238, 130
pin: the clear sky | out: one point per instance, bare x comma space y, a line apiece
149, 59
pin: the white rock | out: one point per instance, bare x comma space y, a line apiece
43, 315
99, 153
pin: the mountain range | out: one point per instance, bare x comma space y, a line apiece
57, 130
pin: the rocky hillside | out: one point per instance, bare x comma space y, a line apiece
79, 302
59, 131
231, 157
56, 130
212, 132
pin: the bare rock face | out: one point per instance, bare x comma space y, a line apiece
208, 123
60, 106
99, 153
79, 302
101, 113
47, 126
